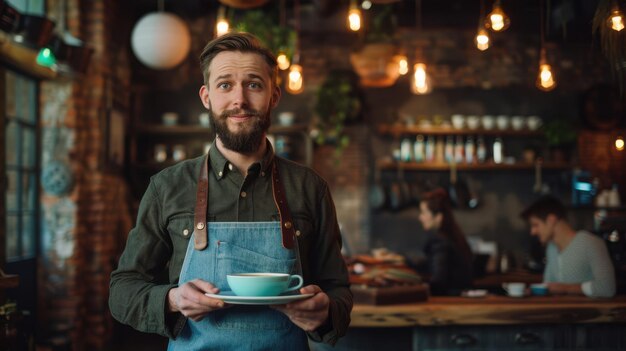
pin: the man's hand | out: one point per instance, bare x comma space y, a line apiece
308, 314
190, 299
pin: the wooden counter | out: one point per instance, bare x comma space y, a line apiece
490, 310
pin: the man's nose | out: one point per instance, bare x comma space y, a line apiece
239, 97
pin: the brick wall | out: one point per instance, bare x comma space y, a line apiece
84, 229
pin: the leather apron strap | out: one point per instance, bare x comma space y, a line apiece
201, 237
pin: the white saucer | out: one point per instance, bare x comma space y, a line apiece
230, 297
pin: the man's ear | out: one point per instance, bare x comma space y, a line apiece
551, 219
276, 94
204, 96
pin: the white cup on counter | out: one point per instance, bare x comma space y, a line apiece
473, 122
170, 118
533, 122
514, 289
458, 121
488, 122
518, 122
502, 121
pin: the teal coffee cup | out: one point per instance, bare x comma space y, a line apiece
263, 284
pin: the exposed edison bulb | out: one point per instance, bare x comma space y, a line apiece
282, 60
420, 82
295, 83
619, 143
221, 26
616, 21
354, 19
545, 79
403, 64
497, 20
482, 39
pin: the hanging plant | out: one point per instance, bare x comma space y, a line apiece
338, 103
265, 25
611, 41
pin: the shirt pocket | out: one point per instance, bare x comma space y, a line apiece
180, 229
303, 227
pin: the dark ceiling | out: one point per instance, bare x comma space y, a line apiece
568, 20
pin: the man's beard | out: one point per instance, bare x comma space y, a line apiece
244, 141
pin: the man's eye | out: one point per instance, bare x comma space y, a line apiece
223, 85
254, 85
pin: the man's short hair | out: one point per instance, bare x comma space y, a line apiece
237, 41
544, 206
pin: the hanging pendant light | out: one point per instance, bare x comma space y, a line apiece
616, 19
482, 39
354, 17
403, 63
497, 20
282, 59
295, 79
545, 78
420, 80
221, 24
160, 40
619, 143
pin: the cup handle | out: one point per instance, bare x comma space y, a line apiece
291, 279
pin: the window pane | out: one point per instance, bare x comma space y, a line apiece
12, 246
29, 188
12, 138
28, 236
10, 94
11, 193
29, 147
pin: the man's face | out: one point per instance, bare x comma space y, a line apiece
240, 96
429, 220
542, 229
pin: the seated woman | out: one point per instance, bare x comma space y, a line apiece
448, 256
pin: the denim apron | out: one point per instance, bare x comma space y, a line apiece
220, 248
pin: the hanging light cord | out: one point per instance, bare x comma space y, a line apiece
296, 10
282, 13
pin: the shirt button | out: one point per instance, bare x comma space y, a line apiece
220, 173
186, 232
298, 233
243, 194
262, 174
230, 166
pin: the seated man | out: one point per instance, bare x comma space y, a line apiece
577, 262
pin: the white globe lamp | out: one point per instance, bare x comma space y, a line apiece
160, 40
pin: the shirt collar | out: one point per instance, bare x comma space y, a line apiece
220, 165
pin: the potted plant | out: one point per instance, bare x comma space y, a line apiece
375, 61
338, 103
561, 136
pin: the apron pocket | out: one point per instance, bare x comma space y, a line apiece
250, 318
236, 259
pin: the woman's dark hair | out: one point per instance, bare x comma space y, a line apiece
438, 201
237, 41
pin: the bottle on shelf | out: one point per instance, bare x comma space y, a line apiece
498, 154
418, 148
405, 150
459, 147
430, 149
481, 150
449, 149
469, 150
439, 148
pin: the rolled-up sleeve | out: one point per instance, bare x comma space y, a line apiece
603, 282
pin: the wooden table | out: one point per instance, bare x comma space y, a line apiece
490, 315
492, 310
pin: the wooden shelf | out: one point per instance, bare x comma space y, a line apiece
296, 128
178, 130
398, 130
9, 281
414, 166
23, 58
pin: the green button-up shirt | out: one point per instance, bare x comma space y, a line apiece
151, 262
